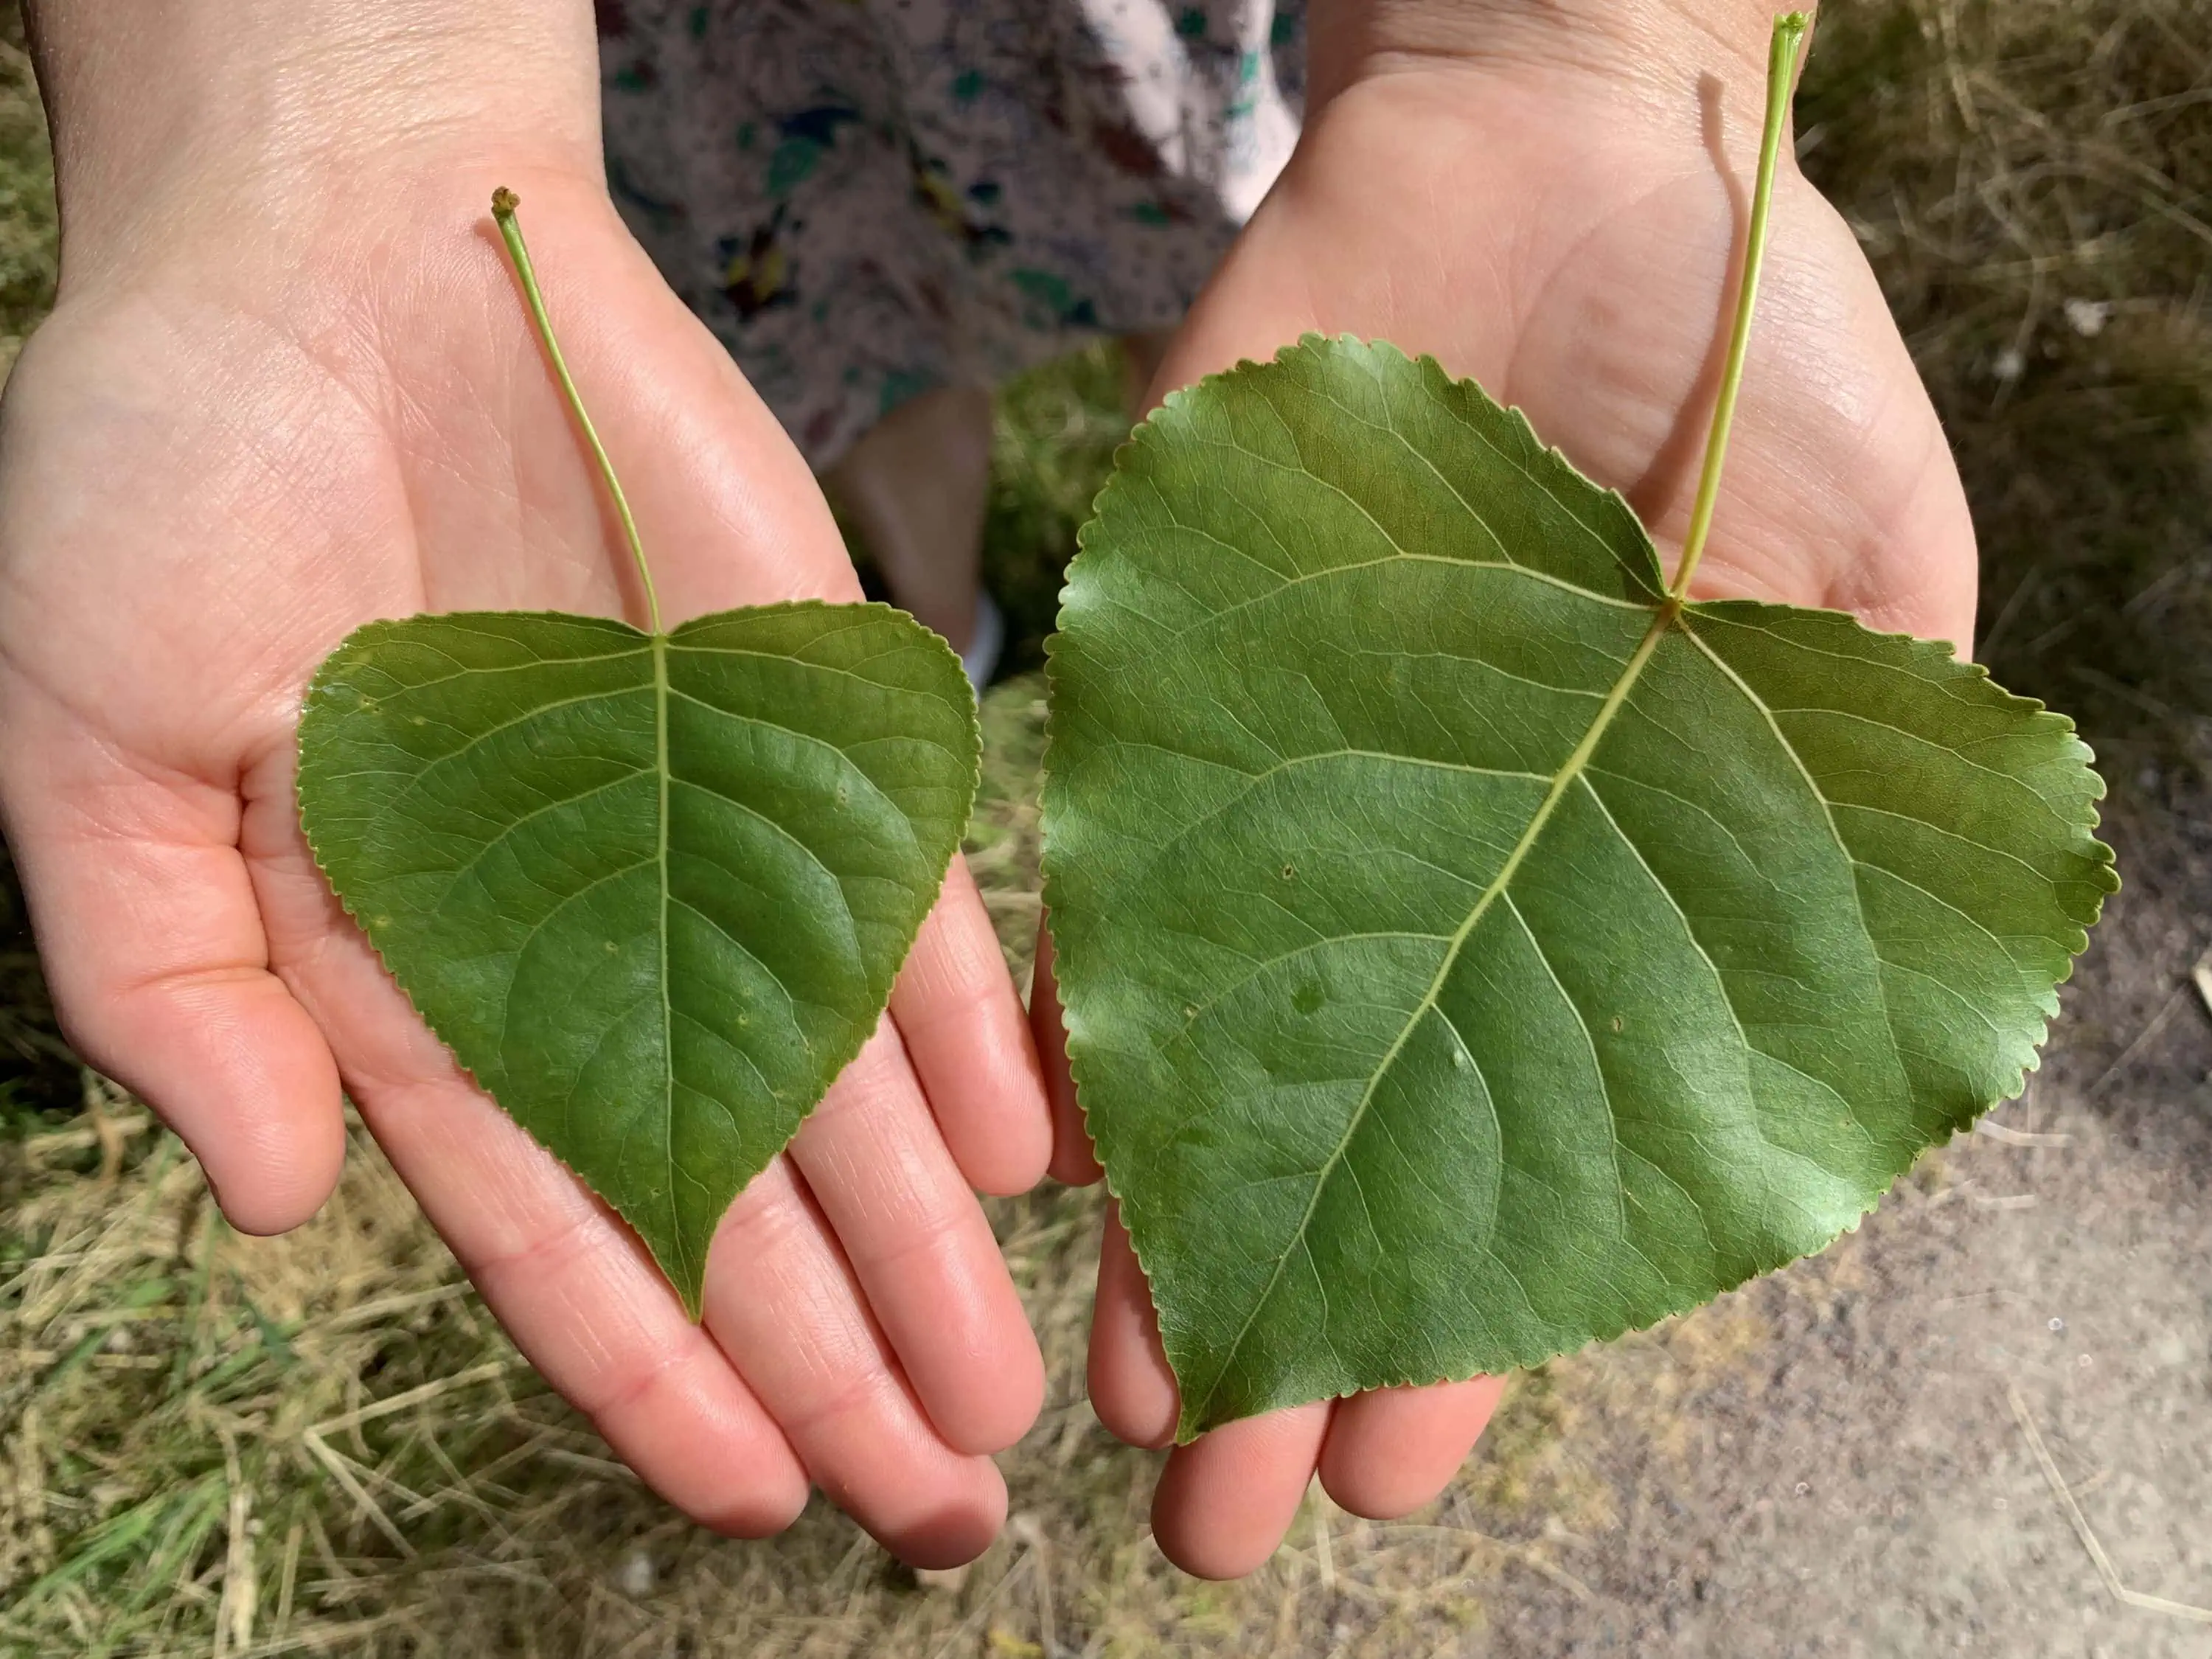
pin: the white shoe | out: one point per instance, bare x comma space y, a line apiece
985, 646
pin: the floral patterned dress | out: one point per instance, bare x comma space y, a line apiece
867, 198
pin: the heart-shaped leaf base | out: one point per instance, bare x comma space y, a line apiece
652, 888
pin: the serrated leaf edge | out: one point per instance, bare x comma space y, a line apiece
2057, 725
320, 685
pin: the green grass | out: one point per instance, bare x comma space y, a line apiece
216, 1444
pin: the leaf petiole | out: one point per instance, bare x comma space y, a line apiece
1781, 76
503, 205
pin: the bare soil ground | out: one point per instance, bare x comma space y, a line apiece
1834, 1461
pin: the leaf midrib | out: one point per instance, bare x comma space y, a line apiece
1562, 780
658, 642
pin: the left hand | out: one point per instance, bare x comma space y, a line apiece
239, 437
1554, 205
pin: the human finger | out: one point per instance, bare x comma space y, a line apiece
1225, 1500
1132, 1389
1391, 1450
969, 1042
158, 967
922, 1250
787, 1308
586, 1305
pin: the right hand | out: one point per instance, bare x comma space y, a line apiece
1537, 194
242, 434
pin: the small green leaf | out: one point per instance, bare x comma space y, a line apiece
651, 889
1469, 951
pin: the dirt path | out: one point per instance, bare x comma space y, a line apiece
1830, 1463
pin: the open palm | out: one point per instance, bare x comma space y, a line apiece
210, 471
1570, 243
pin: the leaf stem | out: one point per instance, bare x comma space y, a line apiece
503, 205
1781, 75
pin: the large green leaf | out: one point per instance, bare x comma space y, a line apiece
1466, 952
652, 888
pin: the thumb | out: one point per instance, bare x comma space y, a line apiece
153, 948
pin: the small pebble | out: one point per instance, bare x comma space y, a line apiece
635, 1577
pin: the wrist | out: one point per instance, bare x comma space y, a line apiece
1640, 53
222, 118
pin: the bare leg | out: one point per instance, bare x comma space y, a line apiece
915, 488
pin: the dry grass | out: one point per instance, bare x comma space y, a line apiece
2032, 180
222, 1446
